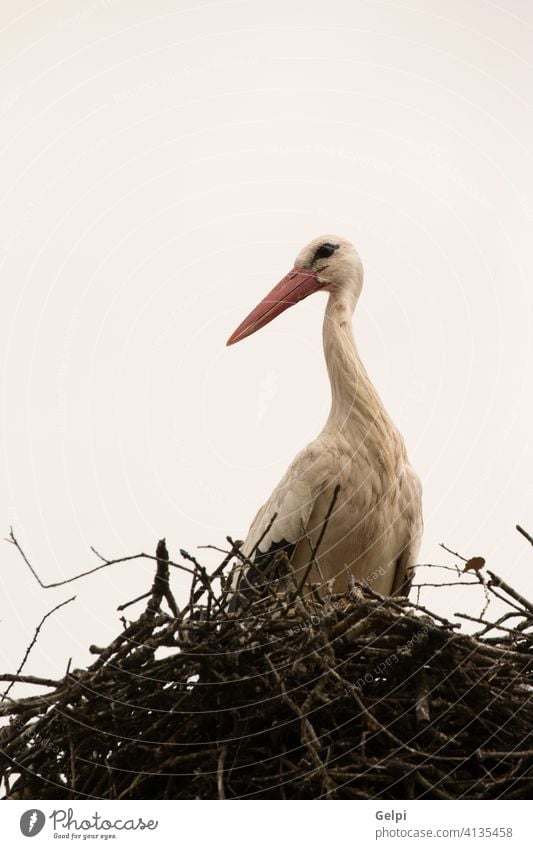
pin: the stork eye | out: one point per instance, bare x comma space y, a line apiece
325, 250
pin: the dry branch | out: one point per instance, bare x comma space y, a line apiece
17, 676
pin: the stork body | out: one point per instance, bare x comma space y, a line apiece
375, 526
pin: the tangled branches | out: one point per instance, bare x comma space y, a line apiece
296, 695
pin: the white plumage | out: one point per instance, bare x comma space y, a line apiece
375, 526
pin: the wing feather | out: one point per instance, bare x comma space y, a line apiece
282, 521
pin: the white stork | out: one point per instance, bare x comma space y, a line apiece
375, 526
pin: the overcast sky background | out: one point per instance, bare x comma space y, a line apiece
162, 163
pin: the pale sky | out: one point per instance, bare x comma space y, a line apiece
162, 164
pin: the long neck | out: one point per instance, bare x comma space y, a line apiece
356, 409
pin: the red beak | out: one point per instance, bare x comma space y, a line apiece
297, 285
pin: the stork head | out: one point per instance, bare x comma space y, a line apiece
328, 263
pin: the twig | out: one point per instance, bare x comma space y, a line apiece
134, 600
455, 553
510, 591
489, 626
13, 540
396, 604
28, 679
319, 540
204, 578
525, 534
33, 641
448, 584
263, 535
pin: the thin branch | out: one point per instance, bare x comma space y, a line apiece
263, 535
398, 603
510, 591
508, 601
134, 600
524, 534
28, 679
489, 626
320, 538
448, 584
13, 540
201, 572
34, 640
455, 553
454, 569
215, 548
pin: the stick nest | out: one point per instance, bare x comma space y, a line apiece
298, 695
